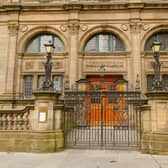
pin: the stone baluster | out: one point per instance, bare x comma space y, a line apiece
25, 121
14, 121
19, 122
9, 122
14, 127
4, 125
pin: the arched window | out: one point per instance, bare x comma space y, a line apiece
104, 42
36, 44
161, 37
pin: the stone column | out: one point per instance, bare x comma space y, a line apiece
155, 123
13, 30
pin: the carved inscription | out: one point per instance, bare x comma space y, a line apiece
110, 66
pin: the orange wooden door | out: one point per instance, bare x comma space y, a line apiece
101, 108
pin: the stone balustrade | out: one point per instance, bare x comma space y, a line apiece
15, 119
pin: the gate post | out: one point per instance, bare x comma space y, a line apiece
46, 122
155, 123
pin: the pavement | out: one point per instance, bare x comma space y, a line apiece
83, 159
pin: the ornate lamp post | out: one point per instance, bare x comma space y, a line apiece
48, 83
157, 85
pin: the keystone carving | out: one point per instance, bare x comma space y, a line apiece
136, 26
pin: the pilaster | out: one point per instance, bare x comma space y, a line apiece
11, 60
135, 27
73, 26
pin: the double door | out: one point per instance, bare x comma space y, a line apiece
105, 107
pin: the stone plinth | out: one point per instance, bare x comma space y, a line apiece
155, 123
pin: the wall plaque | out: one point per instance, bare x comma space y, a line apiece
43, 112
42, 117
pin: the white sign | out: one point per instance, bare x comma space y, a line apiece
43, 117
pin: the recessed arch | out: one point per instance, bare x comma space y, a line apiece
104, 29
154, 31
37, 31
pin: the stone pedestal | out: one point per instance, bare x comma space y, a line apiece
44, 114
155, 123
46, 122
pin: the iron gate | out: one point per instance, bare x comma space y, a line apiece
105, 119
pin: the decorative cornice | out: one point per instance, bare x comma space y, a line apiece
48, 5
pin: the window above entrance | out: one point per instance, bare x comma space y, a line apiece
104, 42
36, 44
162, 37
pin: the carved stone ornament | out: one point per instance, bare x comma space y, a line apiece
146, 27
73, 27
29, 66
63, 27
124, 27
84, 27
13, 29
136, 26
24, 28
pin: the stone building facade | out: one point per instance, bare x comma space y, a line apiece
86, 34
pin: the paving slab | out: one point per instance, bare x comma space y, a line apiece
84, 159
